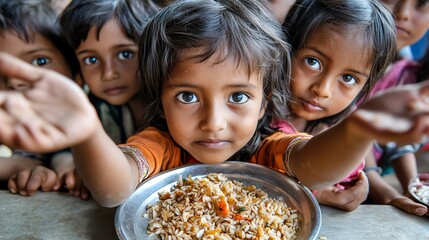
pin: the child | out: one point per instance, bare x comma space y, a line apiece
212, 76
412, 21
338, 51
104, 34
29, 30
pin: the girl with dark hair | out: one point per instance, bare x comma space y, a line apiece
339, 50
103, 34
30, 31
212, 73
412, 22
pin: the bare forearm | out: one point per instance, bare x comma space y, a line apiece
106, 171
14, 164
379, 190
338, 151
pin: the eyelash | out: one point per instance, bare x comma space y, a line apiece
194, 98
36, 61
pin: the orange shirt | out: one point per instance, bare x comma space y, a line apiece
155, 151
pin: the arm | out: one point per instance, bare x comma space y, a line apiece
14, 164
399, 115
110, 175
53, 114
62, 164
382, 193
347, 199
405, 169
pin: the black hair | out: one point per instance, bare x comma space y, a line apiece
244, 31
367, 16
81, 15
26, 18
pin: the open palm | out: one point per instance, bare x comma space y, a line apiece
52, 114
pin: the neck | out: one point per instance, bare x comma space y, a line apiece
299, 123
136, 106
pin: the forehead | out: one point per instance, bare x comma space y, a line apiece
221, 56
12, 43
351, 42
110, 34
212, 71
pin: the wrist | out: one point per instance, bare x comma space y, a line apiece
377, 169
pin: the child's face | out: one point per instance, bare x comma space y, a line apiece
328, 73
109, 64
39, 52
212, 110
411, 18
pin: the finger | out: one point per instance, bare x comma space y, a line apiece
387, 128
84, 193
21, 181
13, 67
11, 184
70, 180
38, 136
409, 206
36, 180
362, 183
50, 180
6, 125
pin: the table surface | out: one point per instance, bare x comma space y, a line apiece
53, 215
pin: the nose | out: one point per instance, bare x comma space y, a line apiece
109, 71
213, 119
322, 87
16, 84
403, 10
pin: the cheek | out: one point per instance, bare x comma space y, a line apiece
423, 27
92, 81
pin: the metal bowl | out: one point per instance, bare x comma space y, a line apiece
130, 224
419, 188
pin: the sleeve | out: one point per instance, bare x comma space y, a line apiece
153, 151
275, 149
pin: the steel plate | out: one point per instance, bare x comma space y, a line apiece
130, 224
420, 181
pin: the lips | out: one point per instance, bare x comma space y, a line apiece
311, 106
400, 30
115, 90
213, 143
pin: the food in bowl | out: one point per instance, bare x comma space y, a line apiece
419, 188
214, 207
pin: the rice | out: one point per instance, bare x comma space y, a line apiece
214, 207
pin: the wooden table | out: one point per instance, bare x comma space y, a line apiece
55, 215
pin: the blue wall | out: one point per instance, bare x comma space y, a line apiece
418, 49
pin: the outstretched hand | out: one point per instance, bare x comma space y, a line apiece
400, 115
52, 114
347, 199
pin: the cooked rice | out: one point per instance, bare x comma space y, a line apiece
216, 208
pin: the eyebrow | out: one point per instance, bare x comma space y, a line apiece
329, 59
186, 85
115, 46
39, 50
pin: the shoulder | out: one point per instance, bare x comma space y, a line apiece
150, 134
281, 140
